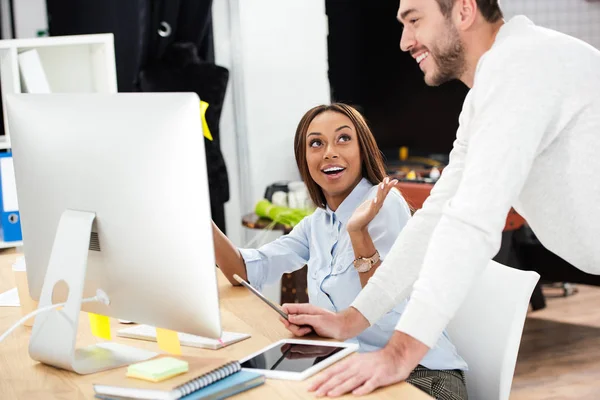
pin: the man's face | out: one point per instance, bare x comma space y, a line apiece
432, 40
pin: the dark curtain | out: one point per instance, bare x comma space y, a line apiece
128, 21
134, 24
160, 46
368, 69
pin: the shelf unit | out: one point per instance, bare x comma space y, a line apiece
72, 64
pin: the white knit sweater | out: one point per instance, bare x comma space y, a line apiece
529, 137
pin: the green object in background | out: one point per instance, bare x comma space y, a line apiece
282, 215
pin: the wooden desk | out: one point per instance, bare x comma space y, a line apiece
23, 378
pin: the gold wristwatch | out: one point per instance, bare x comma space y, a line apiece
364, 264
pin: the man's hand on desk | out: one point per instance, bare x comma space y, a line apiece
363, 373
341, 326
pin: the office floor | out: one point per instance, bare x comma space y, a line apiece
559, 356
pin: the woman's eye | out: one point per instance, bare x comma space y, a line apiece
344, 138
413, 21
315, 143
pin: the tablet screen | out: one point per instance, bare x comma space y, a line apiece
291, 357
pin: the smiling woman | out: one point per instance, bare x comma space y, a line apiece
358, 218
331, 143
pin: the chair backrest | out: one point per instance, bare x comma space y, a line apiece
488, 326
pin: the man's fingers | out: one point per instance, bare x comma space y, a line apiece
300, 308
366, 387
304, 319
295, 329
335, 381
303, 331
349, 385
298, 331
326, 375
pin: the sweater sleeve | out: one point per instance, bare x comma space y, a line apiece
514, 104
393, 280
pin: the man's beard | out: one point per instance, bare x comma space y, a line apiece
449, 58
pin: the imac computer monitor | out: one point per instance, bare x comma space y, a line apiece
113, 196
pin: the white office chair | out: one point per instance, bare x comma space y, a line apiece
488, 326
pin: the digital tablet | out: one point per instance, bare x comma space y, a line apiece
260, 296
296, 359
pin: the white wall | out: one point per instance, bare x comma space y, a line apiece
5, 17
578, 18
276, 52
228, 127
30, 17
277, 55
285, 74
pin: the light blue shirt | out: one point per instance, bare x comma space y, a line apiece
321, 241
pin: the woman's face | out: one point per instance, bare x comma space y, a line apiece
333, 156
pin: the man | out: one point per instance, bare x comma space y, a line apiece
528, 137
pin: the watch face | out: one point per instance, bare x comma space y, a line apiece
362, 265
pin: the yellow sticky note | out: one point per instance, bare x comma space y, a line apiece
168, 341
158, 369
100, 325
203, 107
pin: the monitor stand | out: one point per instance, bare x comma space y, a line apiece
53, 339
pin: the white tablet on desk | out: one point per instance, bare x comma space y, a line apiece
295, 359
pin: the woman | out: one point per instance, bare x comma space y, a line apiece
343, 242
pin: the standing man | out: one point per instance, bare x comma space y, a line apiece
528, 137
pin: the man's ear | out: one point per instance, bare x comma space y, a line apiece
465, 13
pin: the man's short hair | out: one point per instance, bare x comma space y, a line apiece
490, 9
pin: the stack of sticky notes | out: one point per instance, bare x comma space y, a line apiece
158, 369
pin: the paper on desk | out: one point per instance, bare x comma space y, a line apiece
10, 298
168, 341
19, 265
100, 325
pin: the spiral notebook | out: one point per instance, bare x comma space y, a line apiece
202, 372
